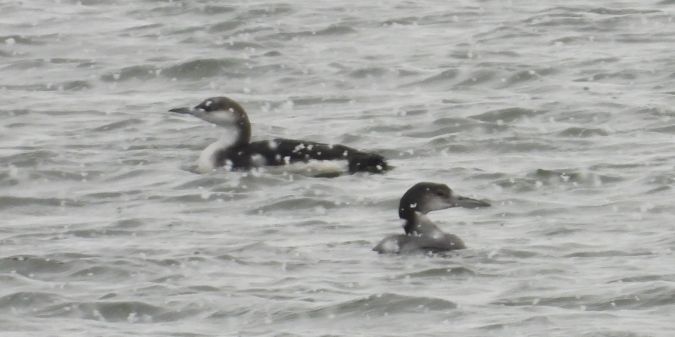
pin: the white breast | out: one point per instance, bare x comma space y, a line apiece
207, 159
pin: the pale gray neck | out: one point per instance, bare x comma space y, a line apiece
420, 224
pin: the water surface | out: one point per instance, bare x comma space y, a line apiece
559, 112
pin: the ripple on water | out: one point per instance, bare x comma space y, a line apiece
622, 76
75, 85
580, 132
209, 181
240, 45
368, 72
137, 72
445, 79
451, 272
27, 302
294, 204
31, 158
664, 129
526, 76
26, 64
377, 305
101, 273
8, 202
520, 324
647, 278
25, 39
609, 253
216, 9
581, 177
507, 115
449, 130
204, 68
478, 77
31, 265
533, 182
224, 26
651, 295
119, 125
330, 31
116, 311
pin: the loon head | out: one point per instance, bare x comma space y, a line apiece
220, 111
425, 197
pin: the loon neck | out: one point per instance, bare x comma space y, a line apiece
243, 127
419, 225
406, 211
411, 225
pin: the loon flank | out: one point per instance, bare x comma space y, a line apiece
235, 151
421, 234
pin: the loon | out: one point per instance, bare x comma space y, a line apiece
235, 151
421, 234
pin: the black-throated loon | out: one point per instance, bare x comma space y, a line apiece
237, 152
421, 234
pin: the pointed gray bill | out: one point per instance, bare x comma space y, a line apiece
466, 202
182, 110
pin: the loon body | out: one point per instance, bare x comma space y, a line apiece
235, 151
421, 234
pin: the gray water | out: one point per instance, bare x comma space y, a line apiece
561, 113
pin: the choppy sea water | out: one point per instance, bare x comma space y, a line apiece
559, 112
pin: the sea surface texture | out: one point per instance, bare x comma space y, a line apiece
560, 113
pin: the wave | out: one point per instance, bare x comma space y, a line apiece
376, 305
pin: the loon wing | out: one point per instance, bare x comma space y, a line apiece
444, 243
285, 151
405, 244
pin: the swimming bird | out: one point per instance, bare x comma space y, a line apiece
421, 234
235, 150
